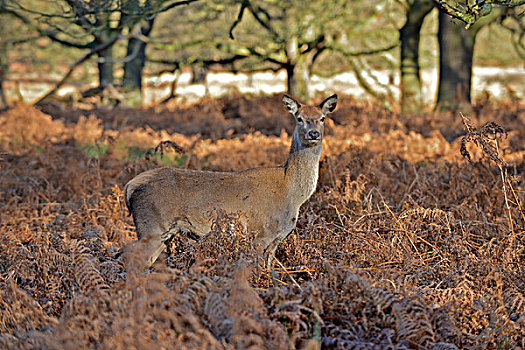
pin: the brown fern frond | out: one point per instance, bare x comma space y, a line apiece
413, 323
483, 137
87, 274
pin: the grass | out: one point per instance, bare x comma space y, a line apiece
96, 150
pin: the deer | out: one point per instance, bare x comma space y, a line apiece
167, 201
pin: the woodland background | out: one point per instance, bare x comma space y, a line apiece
414, 238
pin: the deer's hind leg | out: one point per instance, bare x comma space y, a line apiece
154, 237
144, 252
153, 245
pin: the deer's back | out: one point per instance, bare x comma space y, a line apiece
167, 193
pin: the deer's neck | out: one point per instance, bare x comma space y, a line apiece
302, 170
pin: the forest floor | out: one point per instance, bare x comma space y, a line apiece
405, 244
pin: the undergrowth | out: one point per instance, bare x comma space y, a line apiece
404, 244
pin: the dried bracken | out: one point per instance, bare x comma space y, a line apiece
404, 245
483, 137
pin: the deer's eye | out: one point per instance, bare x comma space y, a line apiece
322, 120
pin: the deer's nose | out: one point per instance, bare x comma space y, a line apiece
313, 135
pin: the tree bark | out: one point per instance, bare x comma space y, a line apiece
456, 53
291, 81
136, 58
105, 58
298, 78
77, 63
3, 100
410, 76
297, 75
105, 67
3, 66
456, 49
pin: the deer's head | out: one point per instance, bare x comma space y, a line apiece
309, 127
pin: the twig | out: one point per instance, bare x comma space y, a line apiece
238, 19
273, 278
518, 203
482, 137
503, 176
288, 273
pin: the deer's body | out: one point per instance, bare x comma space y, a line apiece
166, 201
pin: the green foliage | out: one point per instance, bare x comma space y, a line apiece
177, 160
95, 150
136, 152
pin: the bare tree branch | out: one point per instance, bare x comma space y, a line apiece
178, 64
170, 6
363, 83
81, 60
362, 53
256, 11
266, 57
314, 44
238, 19
79, 15
22, 40
50, 35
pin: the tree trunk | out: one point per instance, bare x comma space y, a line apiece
410, 76
297, 75
199, 72
105, 58
3, 66
105, 67
456, 52
298, 79
292, 83
136, 59
456, 49
3, 100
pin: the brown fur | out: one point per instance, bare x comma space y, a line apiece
166, 201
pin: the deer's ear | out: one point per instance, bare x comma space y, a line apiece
291, 104
329, 104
